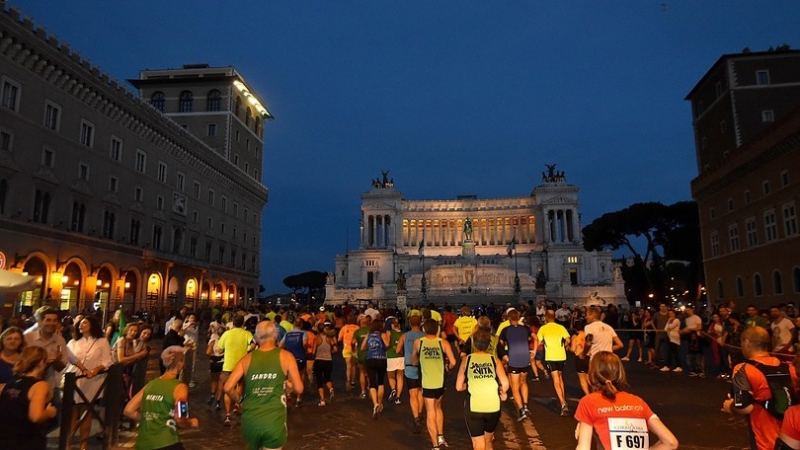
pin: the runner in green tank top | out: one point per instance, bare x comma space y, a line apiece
264, 371
487, 383
154, 406
395, 362
429, 354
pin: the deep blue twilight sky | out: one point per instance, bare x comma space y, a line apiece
453, 97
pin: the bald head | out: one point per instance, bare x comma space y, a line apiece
757, 337
265, 331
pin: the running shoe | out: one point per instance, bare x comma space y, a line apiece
297, 403
237, 408
322, 403
692, 374
564, 410
639, 360
665, 369
397, 401
228, 422
442, 442
536, 378
392, 395
701, 375
219, 406
330, 399
210, 399
677, 369
417, 425
625, 359
192, 384
375, 411
522, 415
363, 395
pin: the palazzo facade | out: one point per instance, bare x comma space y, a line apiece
111, 197
458, 250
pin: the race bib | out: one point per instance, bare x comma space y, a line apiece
628, 434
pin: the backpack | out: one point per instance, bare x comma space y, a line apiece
781, 388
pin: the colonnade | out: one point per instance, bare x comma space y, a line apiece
562, 225
485, 231
376, 231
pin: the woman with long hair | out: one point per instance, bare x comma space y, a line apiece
375, 345
635, 336
649, 337
614, 414
91, 356
25, 403
325, 345
12, 342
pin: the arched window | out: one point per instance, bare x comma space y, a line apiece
248, 116
739, 287
214, 101
238, 106
720, 290
776, 282
157, 100
185, 101
258, 127
757, 285
796, 277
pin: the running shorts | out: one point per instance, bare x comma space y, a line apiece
376, 372
480, 423
433, 393
555, 366
413, 383
582, 365
518, 370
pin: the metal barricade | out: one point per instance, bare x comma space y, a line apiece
109, 397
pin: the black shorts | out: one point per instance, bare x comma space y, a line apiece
412, 383
480, 423
215, 367
518, 370
582, 365
301, 364
555, 366
433, 393
376, 372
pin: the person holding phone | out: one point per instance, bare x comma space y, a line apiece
162, 406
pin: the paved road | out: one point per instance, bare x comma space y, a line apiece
689, 406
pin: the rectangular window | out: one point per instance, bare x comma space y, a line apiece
109, 220
138, 194
245, 215
224, 204
237, 136
730, 204
784, 178
221, 255
235, 210
160, 203
78, 216
711, 213
162, 172
116, 149
196, 189
113, 184
211, 197
193, 247
52, 115
181, 181
255, 175
48, 158
141, 161
767, 116
765, 185
157, 237
136, 227
11, 94
789, 219
83, 172
194, 217
770, 226
208, 251
762, 77
752, 233
210, 223
87, 133
6, 139
222, 228
733, 234
747, 196
236, 160
247, 168
212, 129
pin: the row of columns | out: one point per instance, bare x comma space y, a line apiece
450, 232
376, 231
562, 225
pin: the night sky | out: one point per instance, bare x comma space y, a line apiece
453, 97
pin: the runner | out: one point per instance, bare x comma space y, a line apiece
555, 338
375, 347
517, 337
295, 342
394, 361
359, 337
234, 344
580, 347
430, 354
405, 346
464, 326
155, 406
325, 346
348, 352
603, 336
215, 366
487, 383
264, 372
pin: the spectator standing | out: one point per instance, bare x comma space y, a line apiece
603, 336
11, 345
782, 332
660, 320
672, 329
754, 319
563, 315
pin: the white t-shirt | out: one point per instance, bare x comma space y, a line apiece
602, 337
781, 333
673, 331
563, 314
694, 323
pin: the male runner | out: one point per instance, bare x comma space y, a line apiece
556, 338
405, 346
234, 343
517, 337
359, 336
430, 354
264, 372
296, 341
348, 352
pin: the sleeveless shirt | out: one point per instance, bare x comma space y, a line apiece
157, 427
16, 429
323, 352
431, 363
482, 385
410, 340
264, 405
376, 349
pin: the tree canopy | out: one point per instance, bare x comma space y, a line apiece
653, 233
306, 282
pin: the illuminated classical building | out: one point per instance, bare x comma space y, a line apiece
457, 250
110, 197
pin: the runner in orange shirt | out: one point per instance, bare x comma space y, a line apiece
348, 352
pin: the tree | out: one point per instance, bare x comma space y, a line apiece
308, 283
668, 233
